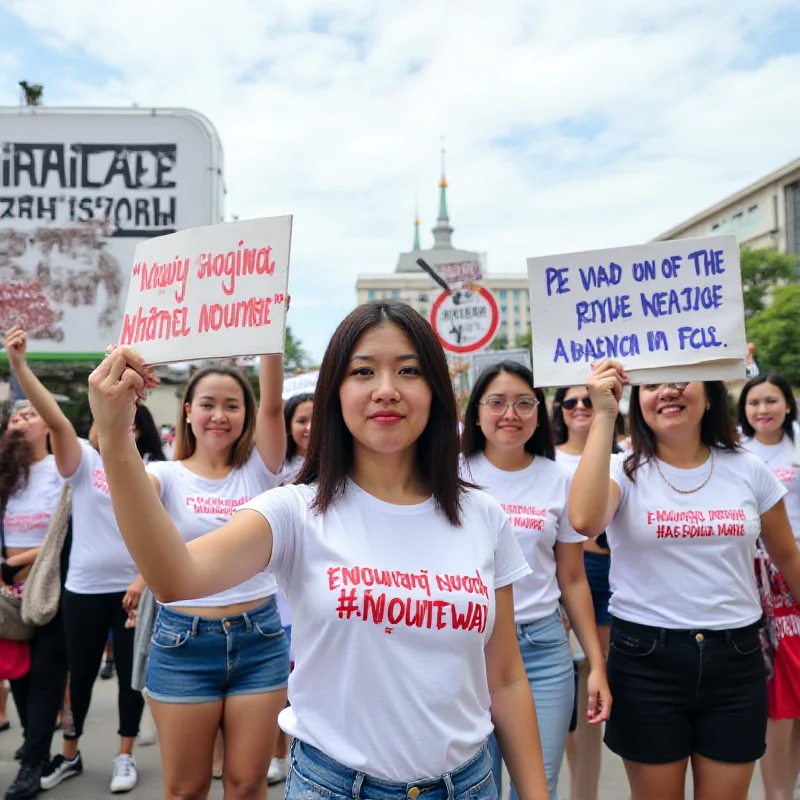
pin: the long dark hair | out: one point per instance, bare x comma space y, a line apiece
330, 450
288, 415
473, 440
16, 457
148, 440
786, 390
716, 427
560, 432
185, 440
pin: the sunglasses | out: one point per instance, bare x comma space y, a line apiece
572, 403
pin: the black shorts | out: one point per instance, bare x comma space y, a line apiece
678, 693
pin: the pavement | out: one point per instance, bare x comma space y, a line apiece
99, 746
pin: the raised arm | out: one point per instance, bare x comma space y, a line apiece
66, 447
594, 497
270, 427
174, 571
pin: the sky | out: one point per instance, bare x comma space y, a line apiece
568, 126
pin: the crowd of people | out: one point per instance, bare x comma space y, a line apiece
441, 592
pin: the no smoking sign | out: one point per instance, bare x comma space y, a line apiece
465, 320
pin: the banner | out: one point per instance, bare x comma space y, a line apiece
213, 292
666, 311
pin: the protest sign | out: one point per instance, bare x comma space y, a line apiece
305, 383
666, 310
211, 292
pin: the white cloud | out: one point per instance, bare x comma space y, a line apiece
332, 110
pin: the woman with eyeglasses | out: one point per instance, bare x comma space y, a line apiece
508, 449
572, 419
683, 512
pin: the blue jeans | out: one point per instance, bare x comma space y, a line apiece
315, 776
545, 653
200, 660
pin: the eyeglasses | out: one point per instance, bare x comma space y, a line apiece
654, 387
572, 403
497, 405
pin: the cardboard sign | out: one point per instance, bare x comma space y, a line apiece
212, 292
488, 358
665, 310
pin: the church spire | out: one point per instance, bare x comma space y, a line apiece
416, 227
443, 230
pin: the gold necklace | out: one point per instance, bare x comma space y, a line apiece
689, 491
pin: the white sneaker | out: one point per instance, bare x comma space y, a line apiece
125, 775
278, 770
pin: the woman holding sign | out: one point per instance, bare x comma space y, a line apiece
220, 661
768, 418
102, 585
509, 452
683, 513
398, 574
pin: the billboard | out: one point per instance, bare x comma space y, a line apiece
79, 189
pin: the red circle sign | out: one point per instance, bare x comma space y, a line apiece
466, 320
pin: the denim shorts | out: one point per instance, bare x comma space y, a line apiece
597, 566
200, 660
678, 693
314, 775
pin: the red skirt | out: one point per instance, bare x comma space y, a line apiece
784, 685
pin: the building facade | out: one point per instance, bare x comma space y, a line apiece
764, 214
411, 284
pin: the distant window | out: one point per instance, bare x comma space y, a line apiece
738, 215
371, 295
516, 309
752, 209
395, 294
423, 298
715, 226
516, 295
503, 309
502, 294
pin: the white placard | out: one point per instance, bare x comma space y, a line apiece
666, 310
304, 383
211, 292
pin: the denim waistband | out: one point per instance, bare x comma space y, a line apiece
315, 765
678, 634
552, 619
170, 617
600, 558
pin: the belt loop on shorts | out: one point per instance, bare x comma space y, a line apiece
195, 626
662, 636
247, 621
451, 790
357, 785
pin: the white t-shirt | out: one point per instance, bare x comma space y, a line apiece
392, 608
200, 505
99, 562
291, 469
686, 560
567, 460
779, 458
535, 500
29, 511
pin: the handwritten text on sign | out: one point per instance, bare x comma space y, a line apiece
210, 292
661, 305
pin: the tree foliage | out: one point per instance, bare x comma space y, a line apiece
500, 342
294, 356
761, 270
776, 333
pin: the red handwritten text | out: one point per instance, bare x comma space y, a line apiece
244, 261
252, 313
154, 325
161, 276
